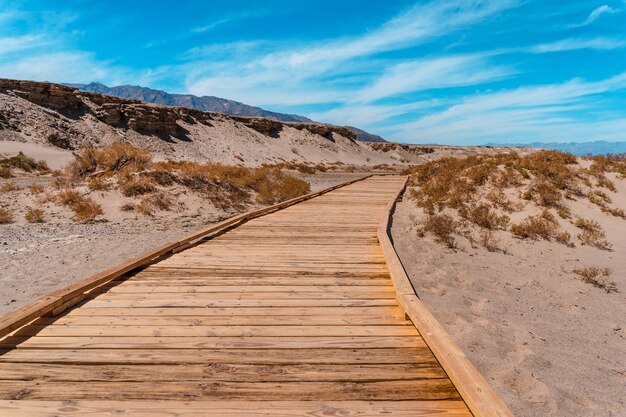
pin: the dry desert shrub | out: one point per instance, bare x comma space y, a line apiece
6, 172
36, 189
9, 187
474, 188
482, 216
541, 226
84, 208
133, 171
599, 277
117, 158
34, 216
489, 241
98, 184
128, 207
5, 216
25, 163
134, 186
443, 226
158, 201
592, 234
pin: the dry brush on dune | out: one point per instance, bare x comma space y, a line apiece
131, 176
531, 197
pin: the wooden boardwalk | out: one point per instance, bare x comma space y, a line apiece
290, 314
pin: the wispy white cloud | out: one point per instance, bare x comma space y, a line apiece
546, 112
222, 21
272, 75
367, 116
596, 14
447, 71
69, 66
578, 43
21, 43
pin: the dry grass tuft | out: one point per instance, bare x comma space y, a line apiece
5, 216
443, 226
34, 216
98, 184
592, 234
158, 201
132, 186
9, 187
599, 277
84, 208
489, 241
36, 189
541, 226
25, 163
128, 207
482, 216
117, 158
6, 172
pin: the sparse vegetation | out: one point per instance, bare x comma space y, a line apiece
34, 215
482, 216
592, 234
133, 172
489, 241
6, 172
84, 208
36, 189
5, 216
25, 163
8, 187
598, 277
443, 226
541, 226
485, 190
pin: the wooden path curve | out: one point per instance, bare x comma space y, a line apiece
294, 313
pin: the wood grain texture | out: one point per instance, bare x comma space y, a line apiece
284, 314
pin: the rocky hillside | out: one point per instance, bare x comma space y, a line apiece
205, 103
65, 117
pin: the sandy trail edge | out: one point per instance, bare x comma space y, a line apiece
549, 344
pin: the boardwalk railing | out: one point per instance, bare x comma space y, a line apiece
479, 396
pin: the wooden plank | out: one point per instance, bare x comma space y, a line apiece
198, 312
158, 408
223, 292
418, 354
238, 320
218, 372
156, 342
419, 389
105, 302
213, 331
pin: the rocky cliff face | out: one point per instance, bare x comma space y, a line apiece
205, 103
142, 117
69, 118
211, 104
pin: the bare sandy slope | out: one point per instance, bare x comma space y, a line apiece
550, 344
36, 259
56, 158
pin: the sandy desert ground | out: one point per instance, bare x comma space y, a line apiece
549, 343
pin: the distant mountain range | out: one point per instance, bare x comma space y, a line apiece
204, 103
598, 147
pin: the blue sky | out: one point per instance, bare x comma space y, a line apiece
454, 72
